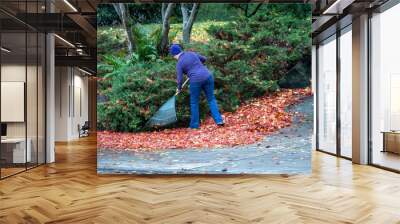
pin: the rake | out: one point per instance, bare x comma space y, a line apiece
166, 115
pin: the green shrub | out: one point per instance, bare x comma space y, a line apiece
271, 43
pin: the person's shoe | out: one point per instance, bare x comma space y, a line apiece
221, 124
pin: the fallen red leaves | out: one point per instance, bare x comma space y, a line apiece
251, 122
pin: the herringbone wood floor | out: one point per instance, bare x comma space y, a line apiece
70, 191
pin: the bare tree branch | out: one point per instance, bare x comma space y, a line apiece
188, 21
185, 13
163, 9
246, 8
255, 10
124, 15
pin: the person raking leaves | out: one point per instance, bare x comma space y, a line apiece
200, 78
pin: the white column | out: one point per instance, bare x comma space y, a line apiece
50, 101
360, 90
314, 88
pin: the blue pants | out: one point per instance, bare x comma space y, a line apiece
195, 89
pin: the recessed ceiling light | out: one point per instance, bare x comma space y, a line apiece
337, 7
64, 40
70, 5
86, 72
5, 50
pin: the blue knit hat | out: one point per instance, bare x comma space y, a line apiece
175, 49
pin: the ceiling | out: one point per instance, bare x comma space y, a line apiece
74, 22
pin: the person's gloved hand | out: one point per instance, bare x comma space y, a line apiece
178, 91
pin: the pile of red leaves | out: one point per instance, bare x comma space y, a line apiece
248, 124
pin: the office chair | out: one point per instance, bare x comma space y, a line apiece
84, 130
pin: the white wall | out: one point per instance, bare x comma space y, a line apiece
62, 81
71, 102
80, 109
12, 73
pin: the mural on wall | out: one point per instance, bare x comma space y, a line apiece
204, 88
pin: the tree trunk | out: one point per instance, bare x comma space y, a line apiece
166, 12
163, 9
188, 21
123, 14
185, 13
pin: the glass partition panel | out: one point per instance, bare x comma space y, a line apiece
14, 153
346, 92
32, 98
22, 67
41, 99
327, 95
385, 89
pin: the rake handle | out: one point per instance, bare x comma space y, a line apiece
183, 85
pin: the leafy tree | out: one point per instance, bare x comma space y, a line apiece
106, 15
142, 12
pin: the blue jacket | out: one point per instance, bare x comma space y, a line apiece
191, 64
